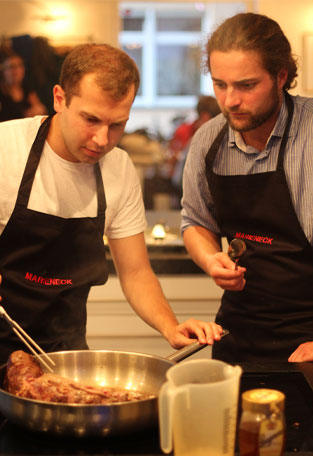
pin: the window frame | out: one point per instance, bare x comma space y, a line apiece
149, 38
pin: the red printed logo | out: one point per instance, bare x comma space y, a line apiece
46, 281
255, 238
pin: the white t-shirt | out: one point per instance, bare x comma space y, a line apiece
67, 189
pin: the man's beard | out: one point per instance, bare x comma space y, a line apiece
256, 120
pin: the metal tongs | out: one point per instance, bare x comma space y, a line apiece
25, 337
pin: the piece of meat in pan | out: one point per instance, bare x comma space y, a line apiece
20, 367
25, 378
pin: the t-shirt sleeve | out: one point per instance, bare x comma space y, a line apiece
125, 214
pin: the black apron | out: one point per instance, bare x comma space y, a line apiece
274, 312
48, 265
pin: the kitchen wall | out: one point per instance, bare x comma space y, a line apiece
62, 21
296, 20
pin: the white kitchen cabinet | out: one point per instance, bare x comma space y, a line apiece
113, 325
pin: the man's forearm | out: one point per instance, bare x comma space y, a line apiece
143, 291
201, 243
146, 297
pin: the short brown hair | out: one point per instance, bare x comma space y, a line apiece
208, 104
255, 32
115, 71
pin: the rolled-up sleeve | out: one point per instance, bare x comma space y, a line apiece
197, 203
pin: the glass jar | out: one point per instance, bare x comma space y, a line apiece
262, 429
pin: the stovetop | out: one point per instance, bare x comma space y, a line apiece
15, 440
295, 380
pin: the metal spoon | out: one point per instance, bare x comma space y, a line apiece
236, 249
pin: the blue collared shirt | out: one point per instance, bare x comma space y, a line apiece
236, 158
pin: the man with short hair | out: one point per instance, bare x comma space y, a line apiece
64, 184
251, 178
207, 108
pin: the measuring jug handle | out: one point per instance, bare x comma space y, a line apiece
165, 404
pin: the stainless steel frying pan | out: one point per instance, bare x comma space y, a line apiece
127, 370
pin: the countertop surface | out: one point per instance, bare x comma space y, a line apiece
295, 380
165, 260
169, 255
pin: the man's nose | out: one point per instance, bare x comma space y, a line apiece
232, 98
101, 137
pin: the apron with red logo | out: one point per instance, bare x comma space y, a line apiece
48, 265
274, 313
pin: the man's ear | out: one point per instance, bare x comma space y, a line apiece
58, 98
282, 78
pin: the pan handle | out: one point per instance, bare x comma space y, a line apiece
189, 350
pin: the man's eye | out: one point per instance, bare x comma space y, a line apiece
248, 86
220, 85
90, 119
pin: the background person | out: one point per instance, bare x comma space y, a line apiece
64, 183
249, 175
166, 177
17, 99
207, 108
45, 70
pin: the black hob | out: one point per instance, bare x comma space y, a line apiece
295, 380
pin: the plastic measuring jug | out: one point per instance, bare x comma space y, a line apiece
198, 408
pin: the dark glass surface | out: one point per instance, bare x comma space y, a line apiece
298, 404
299, 417
17, 441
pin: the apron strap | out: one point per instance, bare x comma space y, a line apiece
32, 163
210, 156
101, 198
290, 107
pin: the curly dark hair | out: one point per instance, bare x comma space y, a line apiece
255, 32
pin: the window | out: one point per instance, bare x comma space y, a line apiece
166, 41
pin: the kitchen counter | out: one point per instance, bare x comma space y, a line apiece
296, 380
168, 256
165, 260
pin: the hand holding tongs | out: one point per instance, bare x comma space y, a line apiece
23, 336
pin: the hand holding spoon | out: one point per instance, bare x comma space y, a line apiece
236, 249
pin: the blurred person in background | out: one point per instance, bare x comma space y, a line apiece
207, 108
17, 99
167, 178
46, 62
